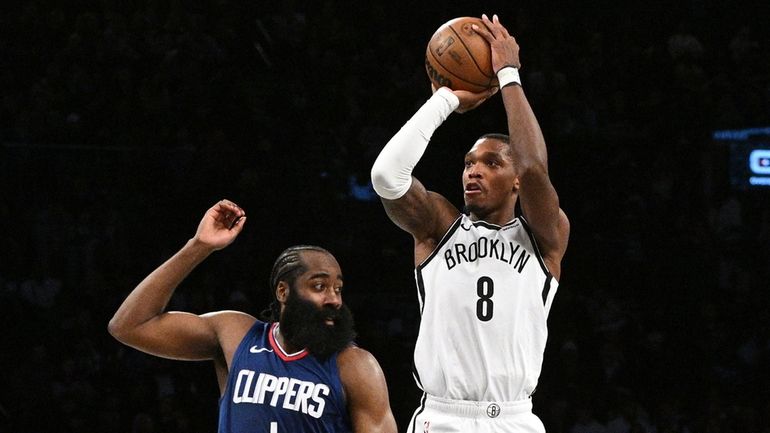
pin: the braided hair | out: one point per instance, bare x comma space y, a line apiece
287, 267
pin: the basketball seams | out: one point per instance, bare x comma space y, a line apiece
458, 73
470, 53
449, 72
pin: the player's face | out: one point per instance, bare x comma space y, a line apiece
489, 180
314, 315
321, 283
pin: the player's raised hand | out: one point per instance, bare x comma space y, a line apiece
470, 100
505, 49
220, 225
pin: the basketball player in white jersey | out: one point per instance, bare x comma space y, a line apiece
485, 280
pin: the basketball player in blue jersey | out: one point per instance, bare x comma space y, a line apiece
486, 280
298, 371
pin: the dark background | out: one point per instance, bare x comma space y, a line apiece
122, 122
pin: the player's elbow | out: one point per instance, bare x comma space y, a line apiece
379, 177
380, 170
114, 328
118, 328
386, 183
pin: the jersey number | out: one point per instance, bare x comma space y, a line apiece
273, 427
485, 288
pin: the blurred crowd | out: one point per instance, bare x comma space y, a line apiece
121, 122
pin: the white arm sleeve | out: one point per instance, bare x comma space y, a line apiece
392, 171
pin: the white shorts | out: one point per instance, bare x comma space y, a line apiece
439, 415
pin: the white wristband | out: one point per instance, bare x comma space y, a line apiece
508, 75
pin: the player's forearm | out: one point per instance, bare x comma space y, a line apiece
151, 296
527, 142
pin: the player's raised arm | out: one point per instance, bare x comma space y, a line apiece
141, 322
538, 198
424, 214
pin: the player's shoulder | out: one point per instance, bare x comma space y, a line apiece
354, 356
564, 224
357, 367
230, 316
230, 321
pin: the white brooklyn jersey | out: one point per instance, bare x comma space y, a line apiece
484, 298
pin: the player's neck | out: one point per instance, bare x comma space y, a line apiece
500, 217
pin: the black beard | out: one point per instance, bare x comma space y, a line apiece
304, 325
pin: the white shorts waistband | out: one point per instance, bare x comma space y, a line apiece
477, 409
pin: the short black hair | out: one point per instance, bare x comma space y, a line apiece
287, 267
503, 138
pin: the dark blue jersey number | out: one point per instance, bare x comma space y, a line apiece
485, 288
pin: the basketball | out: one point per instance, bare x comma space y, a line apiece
459, 58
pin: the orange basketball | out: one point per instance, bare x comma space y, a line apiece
459, 58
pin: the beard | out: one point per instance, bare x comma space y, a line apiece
304, 325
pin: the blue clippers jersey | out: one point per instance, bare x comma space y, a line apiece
269, 391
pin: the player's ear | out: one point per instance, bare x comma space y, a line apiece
515, 184
282, 292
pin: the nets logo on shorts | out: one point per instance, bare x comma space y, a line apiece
493, 410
